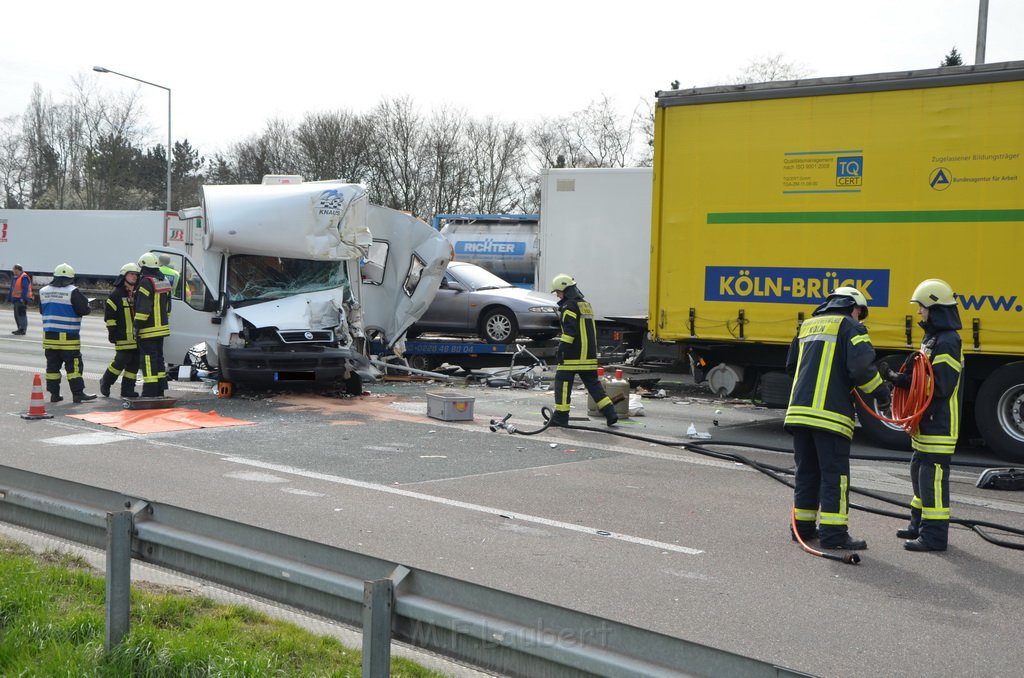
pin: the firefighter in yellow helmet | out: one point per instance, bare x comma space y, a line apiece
577, 352
119, 316
934, 441
830, 356
152, 324
63, 305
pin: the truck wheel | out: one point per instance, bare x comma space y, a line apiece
499, 325
999, 412
354, 384
879, 432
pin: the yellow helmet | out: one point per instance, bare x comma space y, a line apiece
64, 271
561, 281
130, 267
934, 291
149, 260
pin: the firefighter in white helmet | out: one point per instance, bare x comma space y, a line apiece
152, 324
830, 356
577, 352
119, 316
63, 305
934, 441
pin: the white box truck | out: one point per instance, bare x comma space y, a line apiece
595, 224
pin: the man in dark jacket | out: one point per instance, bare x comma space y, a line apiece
577, 352
934, 440
830, 356
63, 305
152, 324
119, 316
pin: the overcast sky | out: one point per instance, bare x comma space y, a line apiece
234, 65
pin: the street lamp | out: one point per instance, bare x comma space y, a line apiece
100, 69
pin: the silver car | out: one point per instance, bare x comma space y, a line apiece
474, 301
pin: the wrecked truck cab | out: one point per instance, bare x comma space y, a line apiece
273, 297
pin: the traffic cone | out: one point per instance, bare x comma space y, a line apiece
37, 406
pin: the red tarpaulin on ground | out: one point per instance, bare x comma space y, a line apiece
159, 421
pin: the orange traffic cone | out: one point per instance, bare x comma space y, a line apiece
37, 407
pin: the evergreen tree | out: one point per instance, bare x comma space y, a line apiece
952, 59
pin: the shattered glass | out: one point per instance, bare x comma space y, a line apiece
253, 278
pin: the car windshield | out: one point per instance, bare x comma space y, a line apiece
478, 278
257, 278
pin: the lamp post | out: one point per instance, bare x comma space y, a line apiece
100, 69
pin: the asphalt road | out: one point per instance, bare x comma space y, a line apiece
643, 533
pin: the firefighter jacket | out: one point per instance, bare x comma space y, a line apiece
940, 426
119, 316
62, 306
831, 354
21, 288
577, 348
152, 305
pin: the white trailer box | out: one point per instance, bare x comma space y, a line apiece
595, 225
95, 242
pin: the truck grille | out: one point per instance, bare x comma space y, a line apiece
307, 336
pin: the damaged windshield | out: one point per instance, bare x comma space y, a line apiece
254, 278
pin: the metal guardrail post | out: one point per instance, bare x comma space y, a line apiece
119, 577
378, 615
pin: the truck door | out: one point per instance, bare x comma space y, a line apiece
193, 307
402, 272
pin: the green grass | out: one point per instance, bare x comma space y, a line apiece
52, 624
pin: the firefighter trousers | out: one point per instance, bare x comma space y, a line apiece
151, 362
929, 509
563, 388
71, 362
126, 360
822, 482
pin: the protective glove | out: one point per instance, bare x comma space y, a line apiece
883, 396
897, 379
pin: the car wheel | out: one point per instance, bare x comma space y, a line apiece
499, 325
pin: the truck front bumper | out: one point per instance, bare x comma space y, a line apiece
313, 366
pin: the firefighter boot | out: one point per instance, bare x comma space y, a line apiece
128, 389
559, 419
105, 384
610, 415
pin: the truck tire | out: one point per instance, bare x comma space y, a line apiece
498, 326
999, 412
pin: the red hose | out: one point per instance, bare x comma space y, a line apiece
909, 404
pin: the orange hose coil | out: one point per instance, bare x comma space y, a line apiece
909, 404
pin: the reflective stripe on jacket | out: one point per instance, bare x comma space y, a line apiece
830, 356
152, 307
940, 426
119, 318
579, 335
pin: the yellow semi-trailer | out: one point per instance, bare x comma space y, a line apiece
768, 196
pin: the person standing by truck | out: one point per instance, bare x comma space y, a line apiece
934, 440
20, 296
831, 354
62, 306
119, 316
152, 318
577, 352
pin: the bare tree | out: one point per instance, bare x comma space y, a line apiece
445, 161
596, 136
274, 151
497, 165
334, 146
398, 171
771, 68
15, 177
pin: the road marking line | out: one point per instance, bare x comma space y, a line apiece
279, 468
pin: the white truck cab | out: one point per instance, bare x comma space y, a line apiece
276, 296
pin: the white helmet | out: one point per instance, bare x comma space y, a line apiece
130, 267
149, 260
64, 271
853, 295
934, 291
561, 281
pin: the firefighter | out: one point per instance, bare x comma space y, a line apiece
20, 297
119, 315
577, 352
152, 317
934, 440
831, 355
62, 306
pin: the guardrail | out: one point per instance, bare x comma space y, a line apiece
485, 627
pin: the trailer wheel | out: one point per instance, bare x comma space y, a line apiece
499, 325
999, 412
